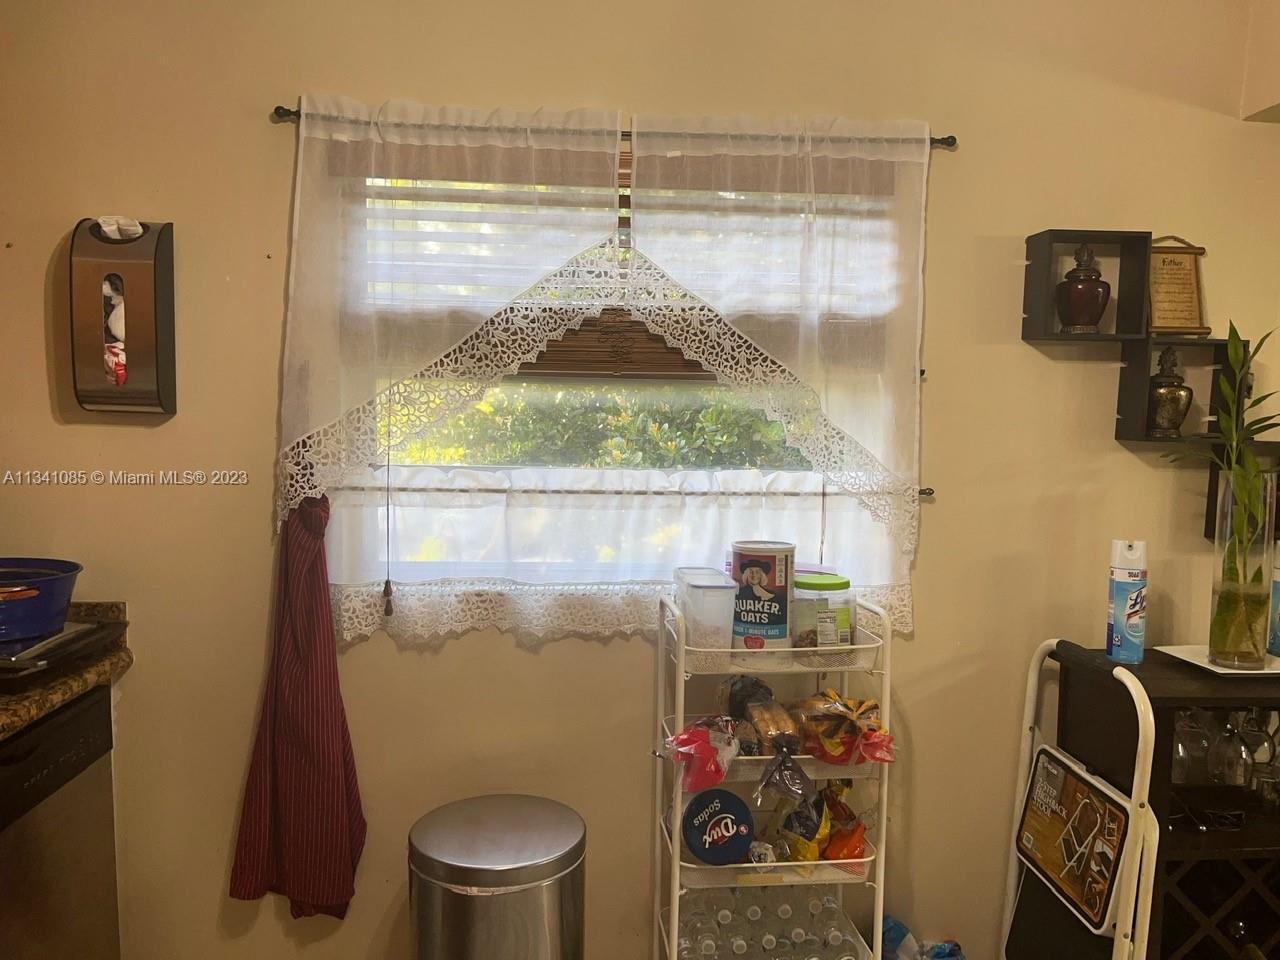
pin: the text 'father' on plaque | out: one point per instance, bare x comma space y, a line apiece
1177, 304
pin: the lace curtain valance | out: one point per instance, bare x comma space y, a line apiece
436, 251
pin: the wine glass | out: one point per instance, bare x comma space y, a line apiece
1230, 759
1190, 749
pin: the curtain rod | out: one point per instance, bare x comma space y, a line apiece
365, 488
283, 114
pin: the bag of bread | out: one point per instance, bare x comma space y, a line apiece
775, 725
749, 742
736, 693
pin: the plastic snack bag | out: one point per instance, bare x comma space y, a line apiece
842, 815
847, 844
705, 749
876, 746
834, 729
807, 830
737, 692
785, 783
830, 726
762, 852
749, 742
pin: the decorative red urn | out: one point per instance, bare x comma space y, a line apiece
1083, 296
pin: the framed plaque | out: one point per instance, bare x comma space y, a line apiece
1177, 303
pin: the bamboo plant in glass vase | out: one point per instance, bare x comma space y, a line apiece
1244, 531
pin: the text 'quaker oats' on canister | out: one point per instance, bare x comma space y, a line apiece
765, 572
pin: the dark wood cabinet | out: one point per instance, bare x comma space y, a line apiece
1216, 889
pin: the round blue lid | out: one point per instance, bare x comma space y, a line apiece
718, 828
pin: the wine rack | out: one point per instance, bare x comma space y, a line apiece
1217, 889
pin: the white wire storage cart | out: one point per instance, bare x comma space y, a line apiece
678, 663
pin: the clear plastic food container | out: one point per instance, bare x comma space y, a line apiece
705, 598
823, 615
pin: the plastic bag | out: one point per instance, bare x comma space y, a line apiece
899, 944
829, 727
749, 742
775, 725
705, 749
806, 832
785, 784
737, 692
847, 843
834, 729
876, 746
842, 815
762, 852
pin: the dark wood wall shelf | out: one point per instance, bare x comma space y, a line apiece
1138, 346
1060, 337
1129, 294
1138, 357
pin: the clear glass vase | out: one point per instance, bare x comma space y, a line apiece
1242, 545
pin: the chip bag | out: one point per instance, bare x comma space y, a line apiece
842, 815
807, 830
876, 746
833, 729
849, 843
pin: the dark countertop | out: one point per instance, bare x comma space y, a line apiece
1171, 682
20, 709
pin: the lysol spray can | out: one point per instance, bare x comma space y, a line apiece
1127, 601
1273, 639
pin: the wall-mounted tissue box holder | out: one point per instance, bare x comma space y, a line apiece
122, 319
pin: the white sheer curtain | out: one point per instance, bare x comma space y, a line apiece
549, 553
436, 251
413, 226
808, 237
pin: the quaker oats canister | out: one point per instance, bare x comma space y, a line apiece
765, 572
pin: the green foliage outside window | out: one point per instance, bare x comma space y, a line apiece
592, 423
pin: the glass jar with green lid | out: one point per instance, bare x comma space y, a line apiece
822, 615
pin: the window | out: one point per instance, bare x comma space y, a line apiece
608, 421
528, 355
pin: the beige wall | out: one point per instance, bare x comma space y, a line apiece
1104, 115
1260, 98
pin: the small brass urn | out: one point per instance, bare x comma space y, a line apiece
1170, 399
1082, 297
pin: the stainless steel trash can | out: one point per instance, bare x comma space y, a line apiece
498, 878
